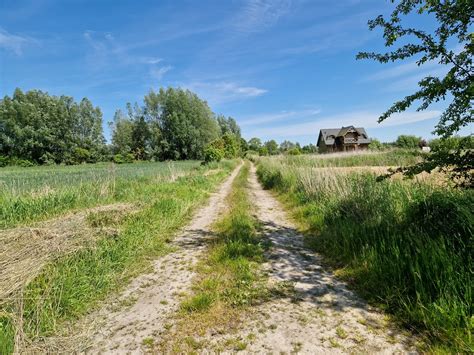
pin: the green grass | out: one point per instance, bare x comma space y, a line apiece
228, 277
230, 269
37, 193
71, 285
232, 264
404, 245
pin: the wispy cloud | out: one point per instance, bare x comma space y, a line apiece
278, 116
151, 60
333, 35
14, 43
220, 92
158, 72
365, 119
106, 51
258, 15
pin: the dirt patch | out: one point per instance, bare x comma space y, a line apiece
26, 250
311, 311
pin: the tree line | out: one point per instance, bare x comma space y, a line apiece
171, 124
37, 128
42, 129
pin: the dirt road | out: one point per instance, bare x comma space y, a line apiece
314, 312
140, 312
310, 311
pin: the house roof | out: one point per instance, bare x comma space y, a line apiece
328, 135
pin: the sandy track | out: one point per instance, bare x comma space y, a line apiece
315, 313
141, 311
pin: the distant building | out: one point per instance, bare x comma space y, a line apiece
342, 139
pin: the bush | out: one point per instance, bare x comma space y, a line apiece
408, 142
123, 158
20, 162
294, 151
263, 151
213, 154
375, 145
231, 145
81, 155
3, 161
450, 143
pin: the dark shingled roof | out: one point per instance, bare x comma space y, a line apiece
328, 135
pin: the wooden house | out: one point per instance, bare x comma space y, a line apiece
342, 139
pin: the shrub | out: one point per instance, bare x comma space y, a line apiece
375, 145
123, 158
81, 155
21, 162
294, 151
231, 145
408, 142
3, 161
213, 154
263, 151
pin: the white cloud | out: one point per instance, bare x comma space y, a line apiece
219, 92
364, 119
13, 43
106, 51
158, 72
151, 60
258, 15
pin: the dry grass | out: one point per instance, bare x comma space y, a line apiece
25, 250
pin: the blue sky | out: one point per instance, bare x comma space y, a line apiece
282, 68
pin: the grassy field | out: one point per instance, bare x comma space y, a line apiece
36, 193
395, 157
228, 278
69, 284
405, 245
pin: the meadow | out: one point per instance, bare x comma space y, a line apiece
392, 157
405, 245
36, 193
102, 247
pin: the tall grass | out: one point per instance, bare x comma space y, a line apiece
395, 157
68, 287
405, 245
36, 193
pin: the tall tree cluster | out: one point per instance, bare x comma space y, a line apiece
40, 128
172, 124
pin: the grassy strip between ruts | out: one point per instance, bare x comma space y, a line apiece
405, 245
228, 277
70, 286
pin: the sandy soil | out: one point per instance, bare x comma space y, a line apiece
140, 312
314, 312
